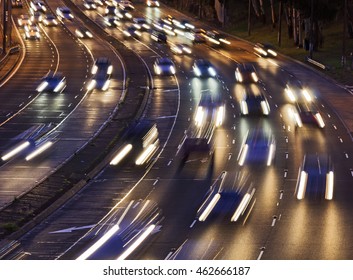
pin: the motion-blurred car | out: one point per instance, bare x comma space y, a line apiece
126, 5
258, 147
141, 24
24, 20
131, 32
197, 35
216, 38
246, 73
164, 66
64, 13
180, 48
120, 233
152, 3
111, 21
304, 110
83, 33
32, 32
159, 36
265, 50
254, 103
316, 177
203, 68
306, 113
38, 6
211, 110
223, 202
123, 14
52, 82
110, 10
36, 17
16, 4
90, 4
101, 73
50, 20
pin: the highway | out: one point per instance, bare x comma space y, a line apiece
276, 224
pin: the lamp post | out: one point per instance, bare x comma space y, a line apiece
343, 60
6, 24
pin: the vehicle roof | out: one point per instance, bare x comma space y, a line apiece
164, 60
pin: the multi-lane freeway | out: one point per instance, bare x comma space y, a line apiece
273, 182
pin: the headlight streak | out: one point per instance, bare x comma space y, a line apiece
136, 243
265, 108
147, 153
92, 85
220, 116
99, 243
302, 184
244, 107
197, 71
127, 148
254, 77
15, 151
38, 151
106, 85
199, 116
242, 206
212, 71
270, 154
209, 207
329, 185
59, 87
42, 86
272, 52
243, 154
290, 95
319, 120
306, 95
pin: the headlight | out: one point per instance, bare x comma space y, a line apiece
110, 69
254, 77
265, 108
42, 86
59, 87
172, 69
106, 85
91, 85
197, 71
94, 69
212, 72
157, 69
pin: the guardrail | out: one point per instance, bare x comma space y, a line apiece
318, 64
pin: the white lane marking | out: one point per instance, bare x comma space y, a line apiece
260, 255
169, 163
285, 174
229, 156
155, 182
273, 221
341, 140
193, 223
352, 172
346, 155
169, 254
335, 127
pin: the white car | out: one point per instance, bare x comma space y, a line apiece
32, 32
24, 20
152, 3
64, 13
